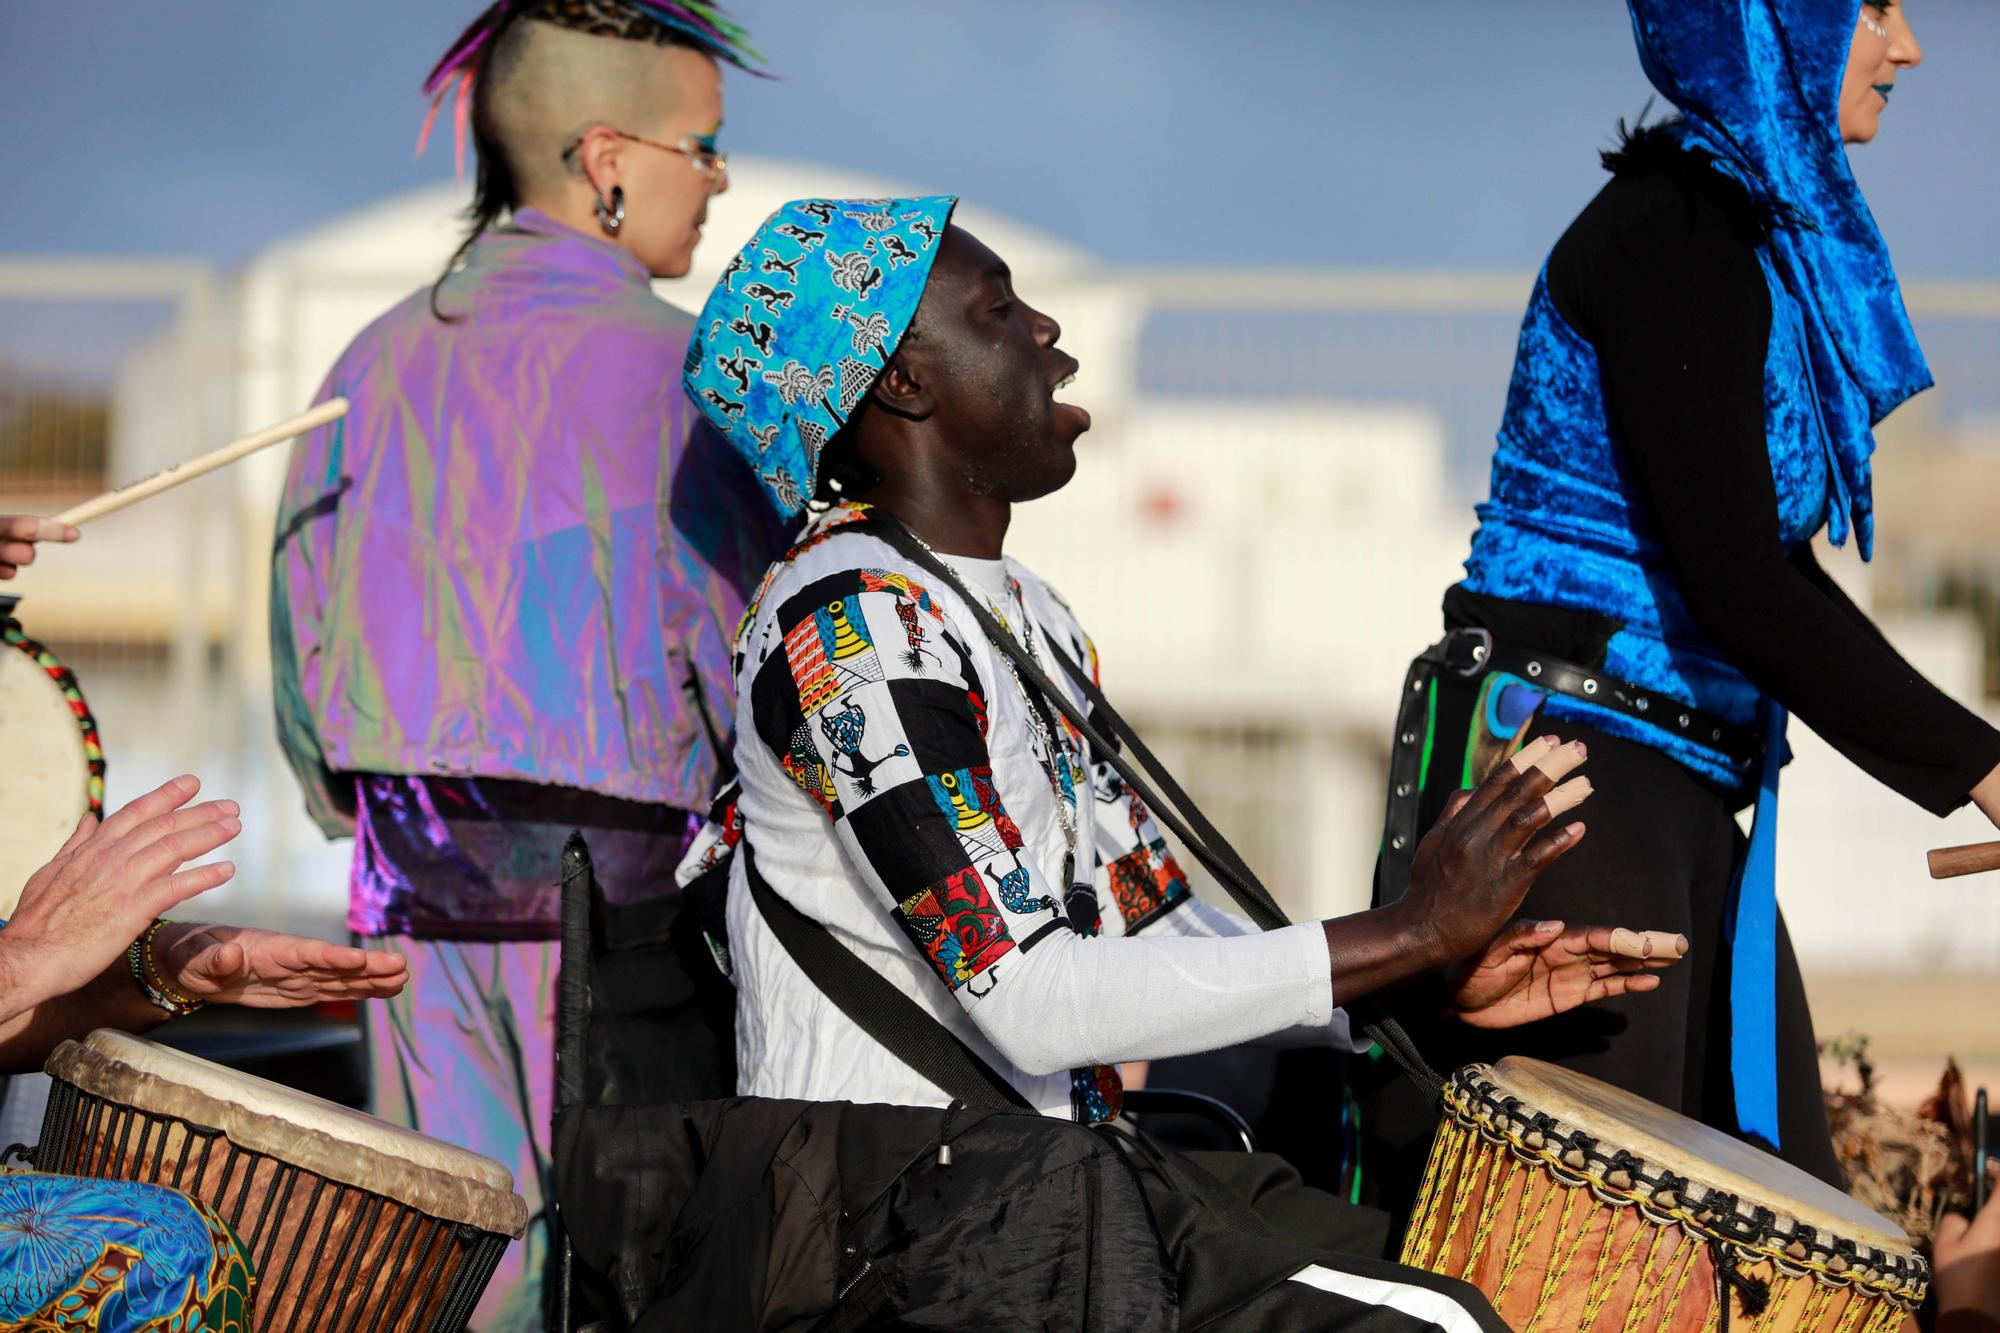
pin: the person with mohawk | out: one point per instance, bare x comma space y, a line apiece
496, 616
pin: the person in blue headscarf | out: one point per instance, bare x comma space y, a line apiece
1701, 365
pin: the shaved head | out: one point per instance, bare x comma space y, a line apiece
601, 115
548, 82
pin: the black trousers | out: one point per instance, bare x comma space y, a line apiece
1239, 1226
1659, 852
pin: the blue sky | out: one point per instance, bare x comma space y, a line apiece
1392, 133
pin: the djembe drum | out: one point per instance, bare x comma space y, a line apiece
350, 1223
54, 772
1575, 1206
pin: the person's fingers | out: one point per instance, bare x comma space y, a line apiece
169, 795
1559, 760
1501, 782
1646, 943
30, 528
7, 571
84, 828
323, 958
1658, 946
1532, 753
1950, 1233
1567, 797
1606, 987
1455, 803
221, 965
1514, 817
178, 888
382, 964
1549, 844
320, 959
1524, 936
176, 822
17, 553
1630, 943
1532, 800
177, 847
362, 987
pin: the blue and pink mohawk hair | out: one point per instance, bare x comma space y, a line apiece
697, 24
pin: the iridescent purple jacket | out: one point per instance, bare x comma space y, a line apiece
521, 554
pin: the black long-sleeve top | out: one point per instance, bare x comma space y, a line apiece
1660, 275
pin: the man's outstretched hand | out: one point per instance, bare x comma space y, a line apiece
266, 970
1537, 969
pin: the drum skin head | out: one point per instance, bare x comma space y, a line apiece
319, 1136
45, 781
177, 1069
1704, 1155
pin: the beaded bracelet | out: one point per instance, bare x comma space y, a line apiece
152, 984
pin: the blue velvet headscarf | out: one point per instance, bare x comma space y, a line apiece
1757, 83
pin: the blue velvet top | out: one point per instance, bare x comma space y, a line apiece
1757, 82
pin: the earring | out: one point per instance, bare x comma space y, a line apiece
612, 216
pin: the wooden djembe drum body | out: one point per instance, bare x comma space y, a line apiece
349, 1223
1577, 1207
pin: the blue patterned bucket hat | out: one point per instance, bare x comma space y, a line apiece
803, 320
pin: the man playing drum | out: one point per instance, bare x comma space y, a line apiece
903, 786
496, 616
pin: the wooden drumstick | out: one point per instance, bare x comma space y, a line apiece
111, 501
1967, 860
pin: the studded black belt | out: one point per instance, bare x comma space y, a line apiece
1473, 652
1469, 654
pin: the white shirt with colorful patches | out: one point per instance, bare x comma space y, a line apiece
895, 788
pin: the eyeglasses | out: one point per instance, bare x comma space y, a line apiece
713, 166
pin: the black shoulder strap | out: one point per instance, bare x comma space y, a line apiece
893, 1019
1208, 846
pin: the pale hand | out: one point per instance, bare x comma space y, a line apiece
18, 535
108, 883
1965, 1268
262, 969
1538, 969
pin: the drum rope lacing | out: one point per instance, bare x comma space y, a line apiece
65, 681
1620, 1179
